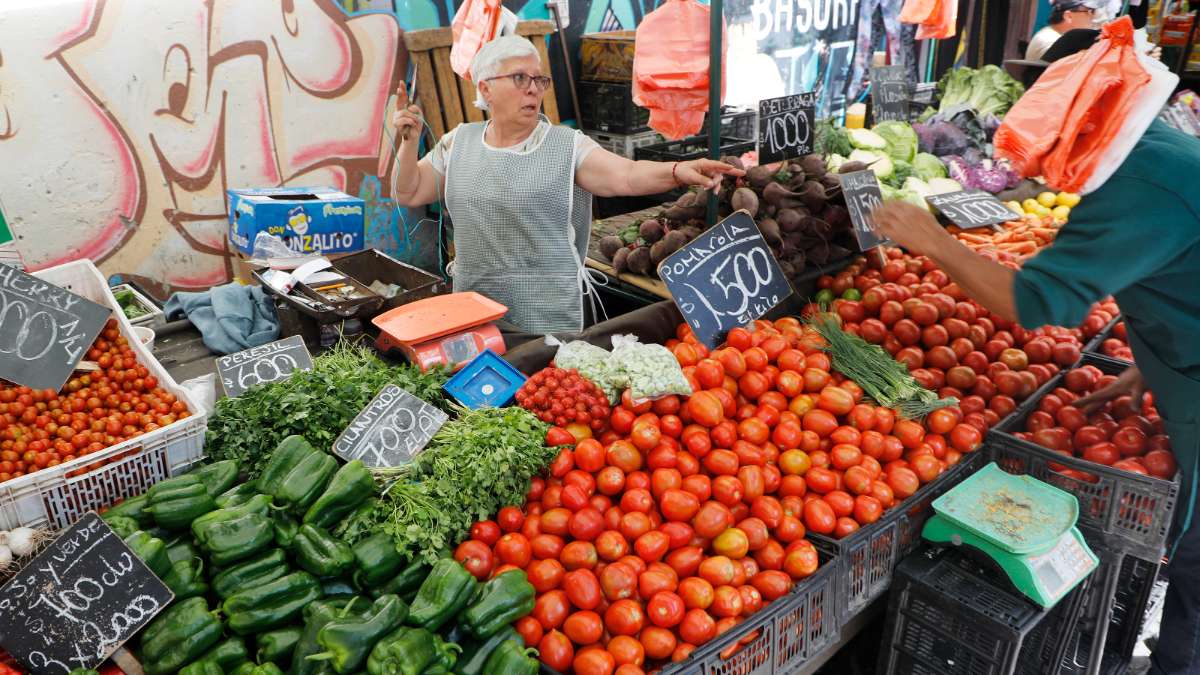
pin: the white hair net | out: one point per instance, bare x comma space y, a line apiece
486, 63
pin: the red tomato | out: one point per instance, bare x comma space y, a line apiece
586, 524
555, 651
551, 608
578, 555
594, 661
545, 575
819, 517
582, 588
772, 584
486, 531
584, 628
618, 580
665, 609
476, 557
624, 617
513, 549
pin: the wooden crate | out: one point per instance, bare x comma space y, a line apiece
449, 100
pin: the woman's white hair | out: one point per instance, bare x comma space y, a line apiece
486, 63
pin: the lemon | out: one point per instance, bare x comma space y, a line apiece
1061, 212
1047, 199
1042, 211
1015, 206
1068, 199
1030, 206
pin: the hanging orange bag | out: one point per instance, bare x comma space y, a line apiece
1062, 126
942, 24
671, 67
475, 24
919, 11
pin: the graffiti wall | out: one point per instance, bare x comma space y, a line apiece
122, 123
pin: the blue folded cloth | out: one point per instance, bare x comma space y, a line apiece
230, 318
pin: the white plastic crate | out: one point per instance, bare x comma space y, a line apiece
624, 144
48, 497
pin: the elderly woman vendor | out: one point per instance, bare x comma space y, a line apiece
520, 190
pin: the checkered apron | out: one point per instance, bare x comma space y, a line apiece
521, 227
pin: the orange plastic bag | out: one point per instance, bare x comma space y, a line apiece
919, 11
670, 67
1062, 125
475, 24
936, 19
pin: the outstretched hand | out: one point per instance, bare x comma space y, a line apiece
705, 173
1130, 382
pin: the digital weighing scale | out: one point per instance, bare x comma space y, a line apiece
444, 330
1025, 526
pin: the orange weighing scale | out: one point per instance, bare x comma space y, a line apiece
447, 330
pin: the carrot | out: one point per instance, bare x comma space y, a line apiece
1019, 247
974, 238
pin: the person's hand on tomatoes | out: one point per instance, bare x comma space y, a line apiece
1128, 382
912, 227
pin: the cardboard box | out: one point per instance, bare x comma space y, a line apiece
607, 57
308, 220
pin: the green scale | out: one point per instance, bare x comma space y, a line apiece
1022, 524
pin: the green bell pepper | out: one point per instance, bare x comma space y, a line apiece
181, 549
278, 645
407, 581
186, 579
337, 588
235, 533
134, 507
258, 669
257, 571
218, 476
84, 671
176, 502
123, 526
512, 658
475, 653
411, 651
445, 592
296, 474
376, 560
348, 641
317, 551
349, 487
360, 523
178, 636
236, 495
151, 550
285, 528
283, 459
271, 605
202, 667
316, 616
228, 654
504, 599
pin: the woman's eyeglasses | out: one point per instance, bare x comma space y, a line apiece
521, 80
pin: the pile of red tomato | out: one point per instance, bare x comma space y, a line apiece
690, 514
949, 343
94, 410
564, 398
1116, 345
1121, 434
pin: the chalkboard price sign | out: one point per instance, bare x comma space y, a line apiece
44, 330
972, 208
785, 127
890, 93
79, 600
861, 190
724, 278
391, 430
260, 365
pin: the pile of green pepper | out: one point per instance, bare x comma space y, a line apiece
263, 587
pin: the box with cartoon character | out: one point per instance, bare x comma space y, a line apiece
308, 220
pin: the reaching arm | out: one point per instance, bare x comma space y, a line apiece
414, 183
989, 283
605, 174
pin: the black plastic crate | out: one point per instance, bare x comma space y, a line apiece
609, 106
735, 123
790, 631
695, 147
949, 614
1133, 512
869, 556
1112, 611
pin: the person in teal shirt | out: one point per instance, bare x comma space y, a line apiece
1137, 237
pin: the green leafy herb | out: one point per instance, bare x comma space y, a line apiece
473, 466
316, 404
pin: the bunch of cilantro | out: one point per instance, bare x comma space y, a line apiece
316, 404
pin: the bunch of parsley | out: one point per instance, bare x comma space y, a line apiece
316, 404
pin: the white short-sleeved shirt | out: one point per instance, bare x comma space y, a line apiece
584, 146
1041, 41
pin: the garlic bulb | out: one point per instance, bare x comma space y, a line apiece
22, 541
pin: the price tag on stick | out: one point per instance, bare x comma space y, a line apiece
890, 93
79, 600
44, 330
785, 127
861, 190
972, 208
260, 365
724, 278
391, 430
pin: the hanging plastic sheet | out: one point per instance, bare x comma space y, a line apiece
671, 67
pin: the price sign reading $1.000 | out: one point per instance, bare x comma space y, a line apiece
785, 127
861, 190
391, 430
724, 278
79, 600
260, 365
972, 208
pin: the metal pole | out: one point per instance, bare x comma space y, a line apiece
714, 95
562, 42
